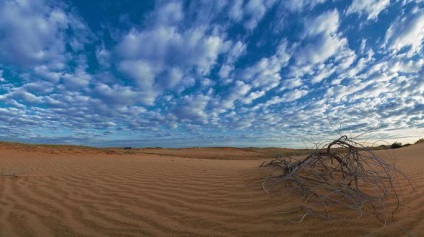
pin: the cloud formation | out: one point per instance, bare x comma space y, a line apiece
189, 73
408, 31
368, 7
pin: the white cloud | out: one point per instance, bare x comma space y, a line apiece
194, 108
39, 87
79, 79
165, 46
169, 14
291, 83
160, 57
302, 5
253, 96
210, 13
115, 95
22, 94
265, 73
225, 71
407, 66
103, 57
326, 52
256, 10
404, 2
186, 83
35, 35
326, 23
319, 51
407, 31
36, 20
236, 50
326, 40
171, 78
144, 77
234, 53
360, 65
363, 46
293, 95
237, 92
46, 73
346, 58
370, 7
322, 74
252, 11
142, 72
236, 10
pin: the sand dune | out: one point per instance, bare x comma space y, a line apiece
83, 192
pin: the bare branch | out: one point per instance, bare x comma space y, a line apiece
342, 173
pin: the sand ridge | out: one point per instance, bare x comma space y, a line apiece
91, 193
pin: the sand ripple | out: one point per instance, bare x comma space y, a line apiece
152, 195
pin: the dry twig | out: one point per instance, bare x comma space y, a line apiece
354, 178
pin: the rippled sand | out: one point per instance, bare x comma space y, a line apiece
81, 193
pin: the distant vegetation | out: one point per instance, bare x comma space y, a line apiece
396, 145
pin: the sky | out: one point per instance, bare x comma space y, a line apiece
210, 73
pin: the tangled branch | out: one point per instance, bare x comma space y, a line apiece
343, 173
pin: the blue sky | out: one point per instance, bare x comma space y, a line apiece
210, 73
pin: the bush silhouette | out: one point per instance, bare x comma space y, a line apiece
396, 145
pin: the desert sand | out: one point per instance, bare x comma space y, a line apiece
72, 191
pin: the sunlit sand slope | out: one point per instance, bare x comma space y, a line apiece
89, 194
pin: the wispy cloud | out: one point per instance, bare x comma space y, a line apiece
369, 7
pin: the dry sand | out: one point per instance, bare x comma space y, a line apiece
70, 191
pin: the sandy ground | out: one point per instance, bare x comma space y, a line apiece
66, 191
